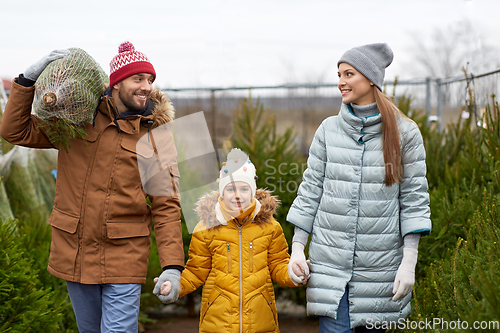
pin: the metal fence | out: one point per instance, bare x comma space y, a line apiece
473, 90
304, 106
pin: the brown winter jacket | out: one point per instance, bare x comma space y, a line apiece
101, 222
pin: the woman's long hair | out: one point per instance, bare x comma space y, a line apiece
391, 140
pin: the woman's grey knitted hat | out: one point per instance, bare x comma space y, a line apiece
370, 60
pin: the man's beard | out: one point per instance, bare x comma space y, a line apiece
129, 104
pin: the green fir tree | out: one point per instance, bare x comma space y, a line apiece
25, 306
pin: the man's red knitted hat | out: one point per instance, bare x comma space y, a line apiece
128, 62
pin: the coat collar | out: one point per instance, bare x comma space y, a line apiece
159, 111
208, 212
359, 129
222, 220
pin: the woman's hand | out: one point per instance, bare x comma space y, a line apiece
405, 277
298, 270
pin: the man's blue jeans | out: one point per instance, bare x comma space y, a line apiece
105, 307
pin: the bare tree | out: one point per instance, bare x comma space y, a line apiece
447, 50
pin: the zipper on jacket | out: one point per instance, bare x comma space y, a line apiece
241, 282
357, 218
228, 258
250, 259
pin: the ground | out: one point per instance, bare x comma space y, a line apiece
173, 318
185, 324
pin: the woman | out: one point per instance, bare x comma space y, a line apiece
364, 200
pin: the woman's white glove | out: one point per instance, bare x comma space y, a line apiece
405, 276
174, 277
33, 72
298, 264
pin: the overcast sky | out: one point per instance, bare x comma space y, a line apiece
221, 43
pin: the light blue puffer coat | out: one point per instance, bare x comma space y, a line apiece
357, 222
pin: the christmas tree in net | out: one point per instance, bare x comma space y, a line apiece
67, 94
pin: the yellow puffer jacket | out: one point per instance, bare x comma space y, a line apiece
236, 266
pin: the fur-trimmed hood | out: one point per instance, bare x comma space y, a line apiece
205, 208
163, 111
159, 108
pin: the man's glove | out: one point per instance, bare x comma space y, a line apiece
405, 276
165, 287
298, 261
33, 72
174, 277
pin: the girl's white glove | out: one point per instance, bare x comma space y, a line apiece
405, 276
298, 270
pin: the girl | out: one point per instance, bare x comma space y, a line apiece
236, 250
364, 200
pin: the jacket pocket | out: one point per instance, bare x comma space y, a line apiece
64, 244
250, 257
134, 157
126, 251
91, 134
175, 175
142, 147
263, 313
163, 183
229, 268
215, 315
119, 230
157, 169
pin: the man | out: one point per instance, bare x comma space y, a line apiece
101, 221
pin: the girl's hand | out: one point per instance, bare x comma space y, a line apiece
299, 272
306, 277
165, 287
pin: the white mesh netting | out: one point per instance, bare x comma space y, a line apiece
69, 88
67, 94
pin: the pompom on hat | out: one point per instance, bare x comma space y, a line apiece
370, 60
128, 62
237, 168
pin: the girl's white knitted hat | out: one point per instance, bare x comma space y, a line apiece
237, 168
